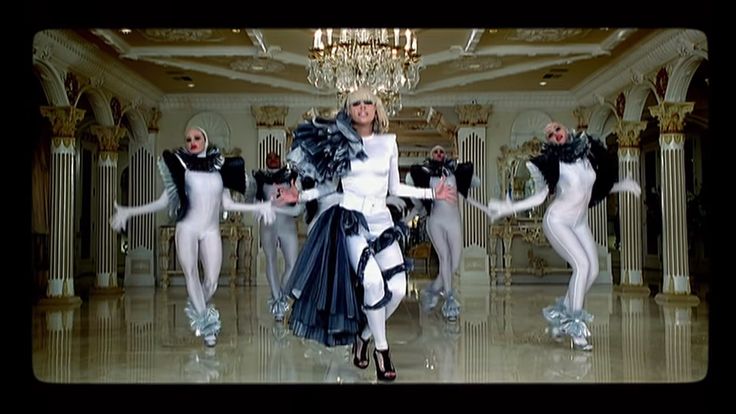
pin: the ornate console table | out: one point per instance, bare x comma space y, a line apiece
237, 240
530, 231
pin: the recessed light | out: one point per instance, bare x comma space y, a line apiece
125, 31
191, 85
542, 83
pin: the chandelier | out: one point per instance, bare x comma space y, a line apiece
343, 60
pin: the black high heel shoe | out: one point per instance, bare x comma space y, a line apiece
360, 352
385, 370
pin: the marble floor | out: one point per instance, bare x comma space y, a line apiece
142, 336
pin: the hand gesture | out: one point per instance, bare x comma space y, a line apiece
265, 212
630, 186
287, 195
443, 191
500, 208
119, 217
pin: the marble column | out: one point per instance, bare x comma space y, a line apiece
145, 318
60, 290
678, 350
105, 342
598, 215
58, 350
676, 283
630, 207
471, 147
143, 172
107, 238
270, 121
634, 334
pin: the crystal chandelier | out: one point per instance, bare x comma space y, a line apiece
343, 60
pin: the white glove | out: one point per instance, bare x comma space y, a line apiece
627, 185
120, 217
265, 212
500, 208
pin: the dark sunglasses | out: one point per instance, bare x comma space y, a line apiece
364, 102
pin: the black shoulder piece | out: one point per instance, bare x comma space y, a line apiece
606, 171
233, 174
312, 206
549, 166
421, 175
260, 178
463, 177
177, 170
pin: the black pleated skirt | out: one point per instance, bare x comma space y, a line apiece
325, 288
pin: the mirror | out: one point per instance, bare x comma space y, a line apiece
514, 178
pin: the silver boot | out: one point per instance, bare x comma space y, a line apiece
429, 298
574, 325
554, 314
451, 308
279, 307
206, 324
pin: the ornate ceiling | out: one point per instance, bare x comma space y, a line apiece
455, 61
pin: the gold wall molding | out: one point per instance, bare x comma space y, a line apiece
269, 115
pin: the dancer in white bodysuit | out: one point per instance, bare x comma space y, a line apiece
444, 225
281, 234
351, 259
197, 183
579, 172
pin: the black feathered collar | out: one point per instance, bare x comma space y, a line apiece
282, 175
575, 148
439, 168
211, 162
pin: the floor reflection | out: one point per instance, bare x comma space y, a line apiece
142, 337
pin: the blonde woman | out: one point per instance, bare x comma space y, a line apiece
351, 269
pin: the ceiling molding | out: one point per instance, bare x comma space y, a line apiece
653, 53
72, 53
498, 73
500, 101
240, 102
232, 74
189, 51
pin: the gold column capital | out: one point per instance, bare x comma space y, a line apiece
155, 115
582, 115
321, 111
671, 115
473, 114
629, 133
269, 116
63, 119
108, 137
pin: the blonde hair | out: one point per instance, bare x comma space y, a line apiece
380, 123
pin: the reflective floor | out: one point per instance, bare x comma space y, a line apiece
142, 337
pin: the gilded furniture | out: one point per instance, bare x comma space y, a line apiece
237, 241
516, 183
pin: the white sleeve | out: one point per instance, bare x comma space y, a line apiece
395, 187
319, 191
157, 205
229, 205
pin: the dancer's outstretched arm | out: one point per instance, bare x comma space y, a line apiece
121, 215
262, 210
